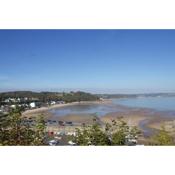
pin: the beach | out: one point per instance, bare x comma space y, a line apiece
147, 120
44, 110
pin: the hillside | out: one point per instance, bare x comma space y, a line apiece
49, 96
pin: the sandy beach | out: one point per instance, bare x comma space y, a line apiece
42, 110
145, 119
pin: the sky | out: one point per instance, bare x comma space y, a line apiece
97, 61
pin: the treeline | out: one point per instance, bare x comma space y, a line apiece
29, 95
79, 96
48, 96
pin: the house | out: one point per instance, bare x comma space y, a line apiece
32, 105
13, 106
71, 133
12, 100
52, 102
7, 100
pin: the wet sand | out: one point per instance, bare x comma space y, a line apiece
147, 120
85, 118
44, 110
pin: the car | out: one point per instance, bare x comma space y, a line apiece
71, 143
53, 142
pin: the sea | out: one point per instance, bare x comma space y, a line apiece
157, 103
161, 104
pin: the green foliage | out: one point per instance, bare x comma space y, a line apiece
39, 131
162, 138
97, 136
79, 96
113, 134
118, 138
82, 137
47, 96
15, 130
91, 135
120, 132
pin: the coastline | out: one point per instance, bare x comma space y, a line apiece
46, 109
147, 120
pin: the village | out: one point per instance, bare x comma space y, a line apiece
25, 104
26, 100
57, 132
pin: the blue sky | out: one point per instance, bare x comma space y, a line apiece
104, 61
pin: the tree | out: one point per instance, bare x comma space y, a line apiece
91, 135
39, 131
82, 137
120, 131
16, 130
162, 138
118, 138
97, 136
113, 134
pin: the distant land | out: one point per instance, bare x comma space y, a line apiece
47, 94
136, 95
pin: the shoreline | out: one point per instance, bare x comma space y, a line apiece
145, 119
46, 109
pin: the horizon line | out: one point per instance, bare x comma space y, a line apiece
86, 91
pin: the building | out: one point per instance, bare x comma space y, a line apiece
32, 105
52, 102
13, 106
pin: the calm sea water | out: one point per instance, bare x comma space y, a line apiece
92, 109
157, 103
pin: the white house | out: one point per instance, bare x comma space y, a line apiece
32, 105
71, 133
52, 102
13, 106
101, 99
7, 100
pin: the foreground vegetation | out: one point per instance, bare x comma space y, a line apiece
15, 130
117, 133
162, 138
